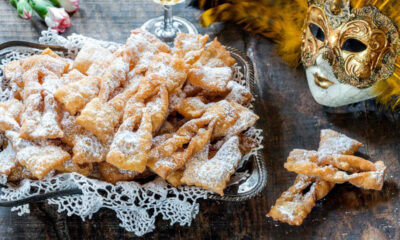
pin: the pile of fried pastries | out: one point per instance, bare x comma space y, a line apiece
319, 171
140, 110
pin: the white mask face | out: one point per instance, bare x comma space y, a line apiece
328, 91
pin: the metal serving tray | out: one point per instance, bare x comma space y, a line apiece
247, 182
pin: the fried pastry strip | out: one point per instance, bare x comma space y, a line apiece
10, 114
47, 60
143, 115
86, 147
172, 154
94, 57
192, 107
234, 119
216, 55
171, 69
238, 93
140, 49
333, 142
38, 157
8, 159
189, 47
13, 72
211, 78
131, 144
213, 174
101, 118
113, 175
70, 166
40, 119
334, 168
76, 95
294, 205
19, 173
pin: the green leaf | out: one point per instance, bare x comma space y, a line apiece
40, 6
56, 3
14, 3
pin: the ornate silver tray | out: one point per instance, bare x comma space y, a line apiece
249, 179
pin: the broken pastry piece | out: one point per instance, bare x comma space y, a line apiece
213, 173
337, 168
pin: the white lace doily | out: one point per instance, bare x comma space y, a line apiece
135, 205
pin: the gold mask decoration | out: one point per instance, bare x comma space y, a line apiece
359, 44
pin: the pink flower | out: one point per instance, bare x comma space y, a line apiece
57, 19
26, 15
69, 5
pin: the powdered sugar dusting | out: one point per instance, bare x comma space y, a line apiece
214, 173
7, 159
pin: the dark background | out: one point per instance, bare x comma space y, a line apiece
290, 119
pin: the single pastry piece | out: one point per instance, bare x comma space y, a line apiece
113, 175
94, 57
213, 69
8, 159
101, 118
333, 142
140, 49
189, 47
19, 173
172, 70
337, 168
75, 95
38, 157
70, 166
131, 144
174, 152
294, 204
86, 147
213, 173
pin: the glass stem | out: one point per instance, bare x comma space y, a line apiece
167, 17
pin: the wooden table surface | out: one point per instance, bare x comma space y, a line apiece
290, 119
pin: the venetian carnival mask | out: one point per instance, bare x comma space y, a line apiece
346, 51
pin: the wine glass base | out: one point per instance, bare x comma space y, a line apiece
156, 27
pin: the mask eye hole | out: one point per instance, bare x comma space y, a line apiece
317, 32
353, 45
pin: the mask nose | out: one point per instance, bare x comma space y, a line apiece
329, 55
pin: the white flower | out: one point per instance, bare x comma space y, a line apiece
58, 19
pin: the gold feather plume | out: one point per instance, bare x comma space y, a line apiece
282, 21
279, 20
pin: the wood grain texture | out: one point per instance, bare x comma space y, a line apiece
290, 119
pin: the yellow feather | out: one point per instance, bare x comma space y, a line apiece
279, 20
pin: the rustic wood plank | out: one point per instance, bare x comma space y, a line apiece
290, 119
